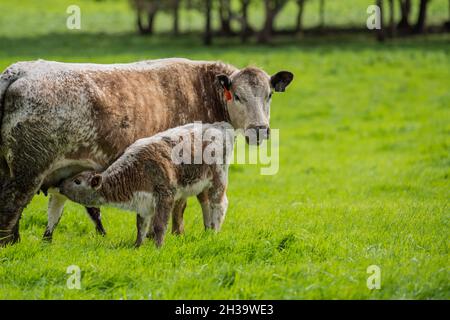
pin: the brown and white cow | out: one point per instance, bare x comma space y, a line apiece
58, 119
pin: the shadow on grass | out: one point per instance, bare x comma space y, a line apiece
94, 45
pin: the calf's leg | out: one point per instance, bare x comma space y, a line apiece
177, 216
218, 208
160, 220
142, 224
94, 214
206, 210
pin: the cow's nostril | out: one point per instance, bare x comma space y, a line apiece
262, 132
255, 134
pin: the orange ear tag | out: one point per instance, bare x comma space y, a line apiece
228, 95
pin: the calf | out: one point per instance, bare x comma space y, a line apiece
150, 177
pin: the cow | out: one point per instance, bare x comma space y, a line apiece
149, 178
59, 119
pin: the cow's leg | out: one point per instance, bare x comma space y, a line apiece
177, 216
142, 224
15, 194
54, 212
206, 210
94, 214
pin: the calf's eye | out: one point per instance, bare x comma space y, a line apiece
77, 182
236, 98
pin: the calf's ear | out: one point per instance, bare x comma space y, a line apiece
96, 181
281, 80
224, 81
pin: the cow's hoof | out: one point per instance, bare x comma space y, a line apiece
8, 238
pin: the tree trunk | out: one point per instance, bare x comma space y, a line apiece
380, 33
176, 17
272, 7
146, 29
151, 20
420, 24
225, 16
244, 22
322, 13
140, 25
447, 23
405, 10
391, 18
266, 32
301, 7
207, 39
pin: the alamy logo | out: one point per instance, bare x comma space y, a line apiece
74, 280
74, 19
374, 19
374, 280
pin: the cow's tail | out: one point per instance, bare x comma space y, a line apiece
10, 75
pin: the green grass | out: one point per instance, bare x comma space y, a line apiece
363, 180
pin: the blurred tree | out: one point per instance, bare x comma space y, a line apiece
146, 8
420, 24
392, 25
226, 12
207, 38
447, 23
299, 20
380, 33
245, 27
321, 14
225, 15
149, 9
405, 11
175, 8
272, 8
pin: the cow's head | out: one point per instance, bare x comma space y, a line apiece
248, 94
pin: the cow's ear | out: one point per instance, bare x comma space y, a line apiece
224, 81
281, 80
96, 182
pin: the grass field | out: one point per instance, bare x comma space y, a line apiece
363, 179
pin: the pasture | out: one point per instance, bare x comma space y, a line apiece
363, 176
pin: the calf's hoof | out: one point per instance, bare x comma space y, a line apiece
100, 230
178, 231
158, 243
94, 214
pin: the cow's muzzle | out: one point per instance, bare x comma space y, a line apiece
254, 135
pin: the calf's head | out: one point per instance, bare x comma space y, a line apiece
83, 188
248, 94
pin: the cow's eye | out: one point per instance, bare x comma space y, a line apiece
77, 181
270, 96
237, 98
